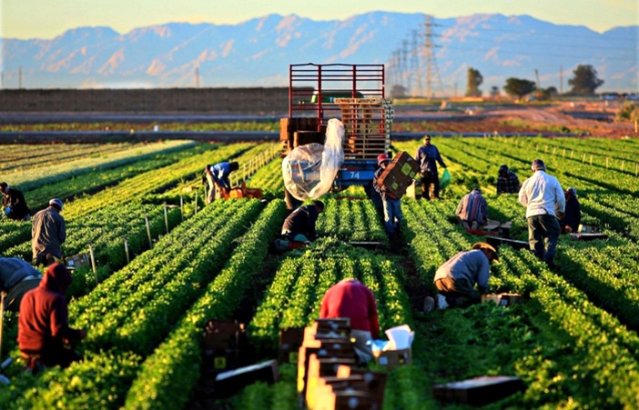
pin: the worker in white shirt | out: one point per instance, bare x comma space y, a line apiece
545, 202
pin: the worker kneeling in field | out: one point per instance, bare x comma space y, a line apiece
472, 211
13, 203
17, 277
352, 299
217, 178
48, 234
298, 228
507, 181
457, 277
572, 217
44, 335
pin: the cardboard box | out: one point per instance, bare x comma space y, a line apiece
326, 349
290, 342
317, 368
399, 174
224, 342
478, 391
78, 261
393, 358
502, 299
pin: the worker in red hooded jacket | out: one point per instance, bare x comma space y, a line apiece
352, 299
44, 335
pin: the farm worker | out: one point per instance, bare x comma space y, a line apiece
543, 197
17, 277
428, 156
299, 226
48, 233
457, 277
352, 299
390, 203
44, 335
217, 177
472, 211
507, 181
572, 217
13, 203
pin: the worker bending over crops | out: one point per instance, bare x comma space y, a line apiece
544, 200
217, 178
572, 217
428, 156
472, 211
44, 336
352, 299
457, 277
17, 277
299, 226
13, 203
48, 233
507, 181
391, 205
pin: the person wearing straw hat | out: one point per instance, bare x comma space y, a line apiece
48, 233
457, 277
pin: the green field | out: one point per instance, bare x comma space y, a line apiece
574, 342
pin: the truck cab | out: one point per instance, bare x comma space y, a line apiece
353, 93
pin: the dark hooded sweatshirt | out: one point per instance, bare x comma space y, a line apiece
43, 326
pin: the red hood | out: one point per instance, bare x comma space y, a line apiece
56, 278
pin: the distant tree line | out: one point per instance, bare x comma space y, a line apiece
584, 83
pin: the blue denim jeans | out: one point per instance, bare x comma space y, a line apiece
392, 214
543, 233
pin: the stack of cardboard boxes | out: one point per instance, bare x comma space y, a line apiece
328, 376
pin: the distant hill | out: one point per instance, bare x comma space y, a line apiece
257, 52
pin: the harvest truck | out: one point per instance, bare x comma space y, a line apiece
353, 93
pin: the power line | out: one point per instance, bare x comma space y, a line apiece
529, 53
589, 36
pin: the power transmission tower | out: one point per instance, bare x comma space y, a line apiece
430, 62
405, 72
414, 63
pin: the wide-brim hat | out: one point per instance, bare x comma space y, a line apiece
488, 247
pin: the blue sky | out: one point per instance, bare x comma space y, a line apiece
49, 18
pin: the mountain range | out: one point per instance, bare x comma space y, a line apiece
257, 52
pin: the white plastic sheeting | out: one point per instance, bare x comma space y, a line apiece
309, 170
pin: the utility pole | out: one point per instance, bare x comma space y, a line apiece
20, 78
197, 77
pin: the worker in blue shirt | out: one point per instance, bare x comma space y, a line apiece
217, 177
428, 156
